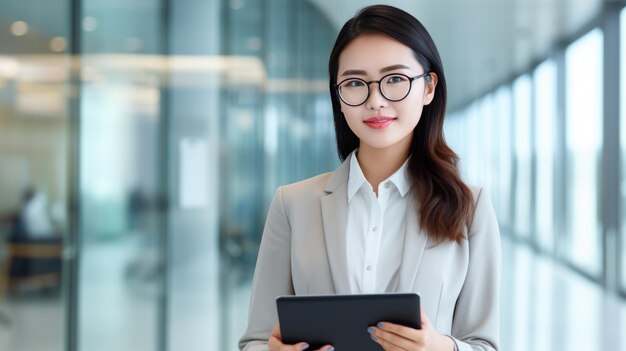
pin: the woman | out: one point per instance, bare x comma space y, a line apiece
395, 216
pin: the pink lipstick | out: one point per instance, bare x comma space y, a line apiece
378, 122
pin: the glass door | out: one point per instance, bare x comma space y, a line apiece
34, 166
121, 228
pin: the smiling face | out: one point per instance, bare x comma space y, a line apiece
380, 123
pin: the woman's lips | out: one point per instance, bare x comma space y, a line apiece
379, 122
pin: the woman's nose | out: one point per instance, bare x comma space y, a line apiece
376, 100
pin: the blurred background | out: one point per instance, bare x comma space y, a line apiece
141, 142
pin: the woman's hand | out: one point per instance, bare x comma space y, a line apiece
275, 343
394, 337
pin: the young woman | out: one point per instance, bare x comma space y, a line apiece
395, 216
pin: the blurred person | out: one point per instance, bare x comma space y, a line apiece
397, 200
40, 244
34, 215
32, 220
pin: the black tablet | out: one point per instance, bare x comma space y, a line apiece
342, 320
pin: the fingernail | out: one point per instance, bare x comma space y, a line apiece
373, 337
331, 349
380, 325
304, 346
370, 330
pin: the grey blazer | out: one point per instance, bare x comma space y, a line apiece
303, 251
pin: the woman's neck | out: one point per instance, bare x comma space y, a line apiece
380, 164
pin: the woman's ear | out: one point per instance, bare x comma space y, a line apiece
431, 85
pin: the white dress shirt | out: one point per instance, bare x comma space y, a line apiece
376, 227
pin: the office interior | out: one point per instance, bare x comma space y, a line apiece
141, 142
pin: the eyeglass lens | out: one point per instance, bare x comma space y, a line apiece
394, 87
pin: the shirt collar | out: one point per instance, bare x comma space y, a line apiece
356, 178
401, 179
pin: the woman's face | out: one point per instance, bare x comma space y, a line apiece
380, 123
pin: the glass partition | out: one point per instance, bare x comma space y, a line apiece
188, 116
504, 193
120, 272
35, 120
545, 115
523, 154
623, 145
583, 114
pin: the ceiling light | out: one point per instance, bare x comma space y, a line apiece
58, 44
19, 28
90, 24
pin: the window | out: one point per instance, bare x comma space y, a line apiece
583, 139
504, 159
623, 143
472, 149
488, 143
544, 149
523, 154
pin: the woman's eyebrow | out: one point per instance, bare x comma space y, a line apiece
354, 72
391, 68
359, 72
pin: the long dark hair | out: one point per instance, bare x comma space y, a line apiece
445, 204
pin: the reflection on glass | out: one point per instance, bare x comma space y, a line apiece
505, 153
472, 134
623, 143
34, 168
458, 138
451, 128
487, 143
523, 154
472, 146
120, 273
545, 128
583, 110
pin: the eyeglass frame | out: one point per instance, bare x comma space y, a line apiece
380, 89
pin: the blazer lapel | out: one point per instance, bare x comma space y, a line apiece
335, 219
415, 240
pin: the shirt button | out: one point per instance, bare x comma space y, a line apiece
369, 268
374, 229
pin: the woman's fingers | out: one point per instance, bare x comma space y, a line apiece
275, 343
276, 331
397, 337
425, 321
299, 346
391, 342
405, 332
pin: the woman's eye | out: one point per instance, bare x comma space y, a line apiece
395, 79
354, 84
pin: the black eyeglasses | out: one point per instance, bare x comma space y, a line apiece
394, 87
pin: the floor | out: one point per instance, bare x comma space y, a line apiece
545, 306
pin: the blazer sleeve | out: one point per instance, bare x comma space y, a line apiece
272, 277
476, 322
